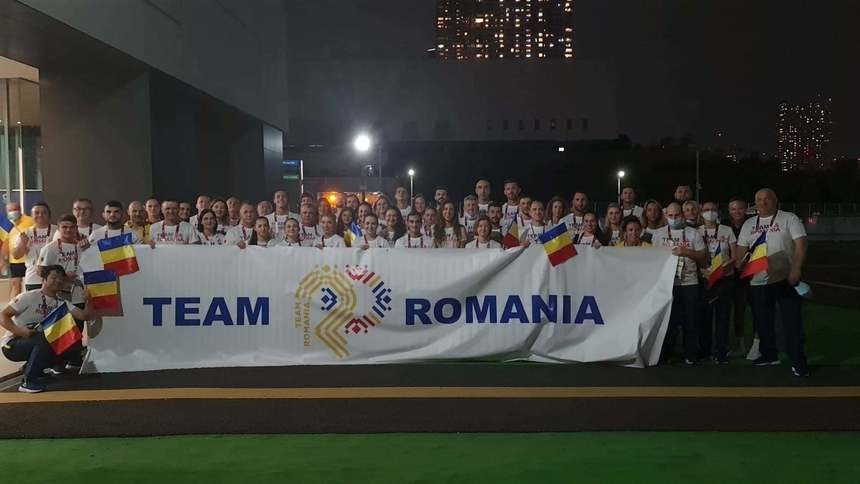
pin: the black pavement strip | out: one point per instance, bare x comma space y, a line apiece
173, 417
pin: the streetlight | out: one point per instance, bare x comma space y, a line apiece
411, 173
362, 143
619, 176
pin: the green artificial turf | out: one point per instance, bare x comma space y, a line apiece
624, 457
832, 335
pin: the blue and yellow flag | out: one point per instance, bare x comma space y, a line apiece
352, 234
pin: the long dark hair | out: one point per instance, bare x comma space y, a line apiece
399, 225
253, 240
439, 230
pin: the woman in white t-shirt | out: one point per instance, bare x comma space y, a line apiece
262, 236
483, 229
292, 236
207, 229
556, 209
590, 235
222, 217
364, 209
328, 238
344, 223
718, 298
612, 224
395, 228
448, 232
429, 220
380, 207
653, 219
370, 239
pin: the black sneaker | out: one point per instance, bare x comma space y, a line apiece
765, 361
800, 372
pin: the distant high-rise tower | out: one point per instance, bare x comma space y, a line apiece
503, 29
803, 134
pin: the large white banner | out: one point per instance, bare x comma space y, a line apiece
192, 307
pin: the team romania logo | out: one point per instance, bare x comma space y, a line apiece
351, 302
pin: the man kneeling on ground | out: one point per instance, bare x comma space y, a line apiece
24, 340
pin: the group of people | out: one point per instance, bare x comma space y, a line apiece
39, 249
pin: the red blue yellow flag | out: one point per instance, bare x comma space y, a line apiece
103, 289
60, 329
512, 238
717, 270
118, 254
557, 244
757, 257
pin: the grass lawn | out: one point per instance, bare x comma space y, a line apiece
832, 335
554, 457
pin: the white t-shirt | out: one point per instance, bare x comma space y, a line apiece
219, 238
162, 234
38, 239
573, 222
483, 208
407, 242
532, 233
451, 241
239, 233
193, 220
585, 240
84, 231
404, 212
309, 234
377, 243
32, 308
686, 237
491, 244
68, 256
277, 223
636, 211
783, 229
723, 237
615, 237
509, 212
469, 223
327, 241
105, 232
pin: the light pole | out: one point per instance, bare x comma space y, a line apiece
619, 176
362, 144
411, 176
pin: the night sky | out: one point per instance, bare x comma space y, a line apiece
682, 66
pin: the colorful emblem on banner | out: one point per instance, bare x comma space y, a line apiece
351, 302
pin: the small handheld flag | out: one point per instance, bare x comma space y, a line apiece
512, 238
60, 329
757, 257
352, 234
6, 227
118, 254
557, 244
717, 270
103, 289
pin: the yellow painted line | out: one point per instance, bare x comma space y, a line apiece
427, 392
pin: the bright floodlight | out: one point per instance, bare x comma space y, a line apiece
620, 173
411, 172
362, 143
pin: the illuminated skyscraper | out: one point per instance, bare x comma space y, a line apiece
803, 134
502, 29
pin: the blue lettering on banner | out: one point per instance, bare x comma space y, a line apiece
486, 309
187, 310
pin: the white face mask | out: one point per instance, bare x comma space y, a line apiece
13, 215
709, 216
676, 223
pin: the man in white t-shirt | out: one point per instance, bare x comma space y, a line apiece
441, 196
83, 211
512, 206
688, 245
278, 218
524, 218
482, 191
233, 207
470, 215
241, 234
66, 251
532, 233
31, 241
786, 253
576, 218
309, 229
112, 215
203, 202
497, 229
628, 203
24, 340
414, 238
171, 230
401, 201
153, 210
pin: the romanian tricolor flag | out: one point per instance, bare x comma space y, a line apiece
757, 261
6, 227
512, 238
60, 329
103, 288
352, 234
717, 269
557, 244
118, 254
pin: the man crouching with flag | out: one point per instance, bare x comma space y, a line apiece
40, 328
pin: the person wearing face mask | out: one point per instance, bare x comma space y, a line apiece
17, 265
718, 299
785, 237
689, 246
